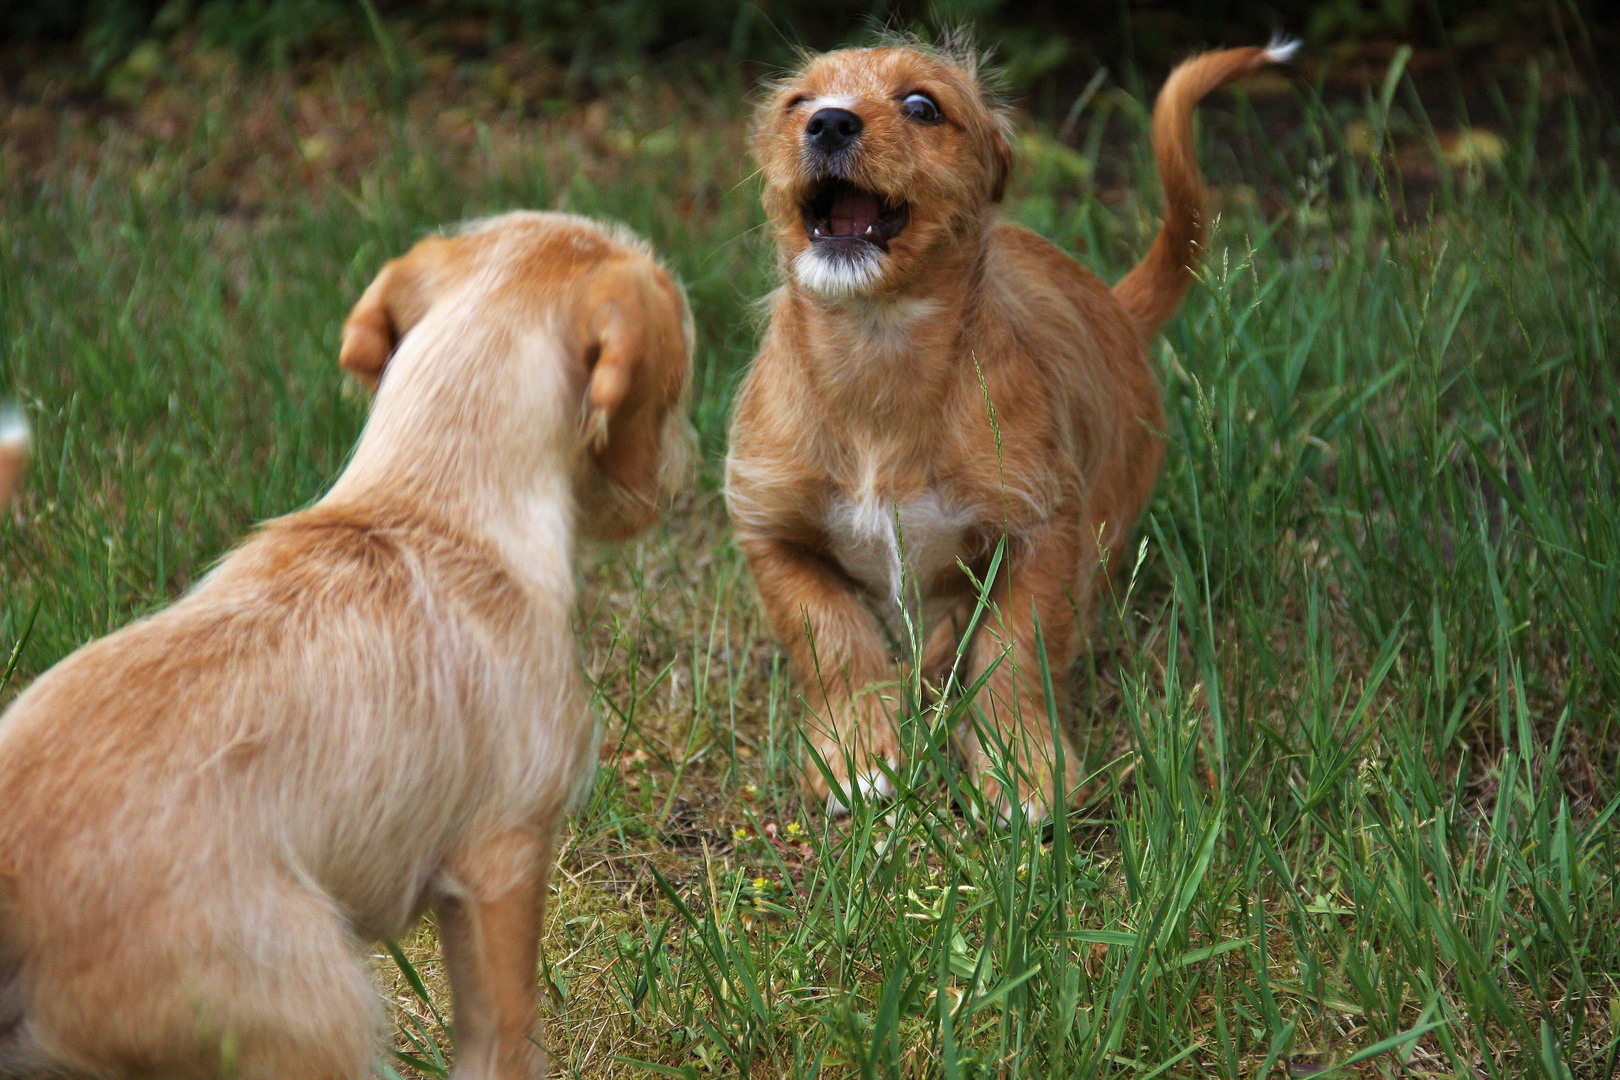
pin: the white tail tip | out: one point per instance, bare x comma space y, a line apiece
596, 430
13, 429
1281, 49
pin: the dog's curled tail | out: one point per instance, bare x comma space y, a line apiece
13, 454
1154, 288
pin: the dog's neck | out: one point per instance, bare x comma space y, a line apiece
898, 348
471, 427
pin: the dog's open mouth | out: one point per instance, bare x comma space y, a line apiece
840, 213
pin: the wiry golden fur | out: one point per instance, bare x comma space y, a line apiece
907, 313
370, 707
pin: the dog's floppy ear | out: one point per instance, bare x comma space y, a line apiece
396, 300
369, 335
612, 360
637, 358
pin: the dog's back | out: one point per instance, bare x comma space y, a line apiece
351, 765
379, 656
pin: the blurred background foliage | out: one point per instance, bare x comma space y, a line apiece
1043, 45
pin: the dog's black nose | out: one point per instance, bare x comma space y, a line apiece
830, 130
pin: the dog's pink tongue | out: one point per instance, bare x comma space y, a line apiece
852, 212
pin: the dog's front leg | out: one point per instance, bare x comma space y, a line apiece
839, 656
490, 904
1019, 740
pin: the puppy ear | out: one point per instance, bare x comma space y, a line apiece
395, 301
369, 333
611, 360
1001, 164
637, 360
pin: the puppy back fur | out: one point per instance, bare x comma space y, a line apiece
207, 811
307, 734
1152, 292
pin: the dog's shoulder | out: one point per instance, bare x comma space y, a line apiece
775, 386
376, 561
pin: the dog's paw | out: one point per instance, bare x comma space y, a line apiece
872, 786
1030, 796
858, 761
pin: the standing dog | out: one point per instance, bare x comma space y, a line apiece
933, 380
372, 706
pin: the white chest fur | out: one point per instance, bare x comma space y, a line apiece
897, 548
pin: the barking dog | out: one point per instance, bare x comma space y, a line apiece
372, 706
864, 461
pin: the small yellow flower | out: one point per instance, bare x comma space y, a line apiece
739, 836
793, 828
761, 883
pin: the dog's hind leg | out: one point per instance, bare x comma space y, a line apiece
320, 1021
491, 904
254, 981
285, 993
939, 653
1021, 744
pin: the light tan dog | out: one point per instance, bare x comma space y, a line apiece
13, 455
865, 464
372, 706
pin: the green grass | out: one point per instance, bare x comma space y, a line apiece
1351, 717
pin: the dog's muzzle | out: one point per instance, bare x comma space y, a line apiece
843, 220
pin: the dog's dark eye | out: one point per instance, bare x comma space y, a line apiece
796, 101
921, 108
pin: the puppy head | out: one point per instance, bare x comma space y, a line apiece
622, 323
877, 160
